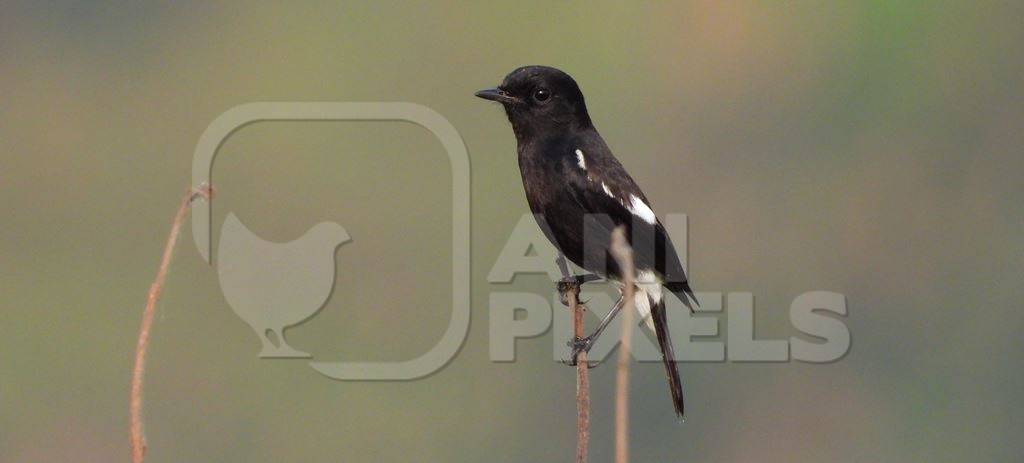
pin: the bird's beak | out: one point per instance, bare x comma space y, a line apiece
495, 94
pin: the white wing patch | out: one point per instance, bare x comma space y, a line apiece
642, 210
636, 205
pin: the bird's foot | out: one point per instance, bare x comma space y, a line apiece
578, 346
566, 286
572, 284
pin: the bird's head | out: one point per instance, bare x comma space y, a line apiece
539, 99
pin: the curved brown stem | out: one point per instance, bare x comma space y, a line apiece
155, 290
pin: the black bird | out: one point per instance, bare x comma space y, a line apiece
580, 193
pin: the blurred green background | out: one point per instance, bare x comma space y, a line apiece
868, 148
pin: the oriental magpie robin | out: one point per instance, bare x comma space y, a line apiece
580, 193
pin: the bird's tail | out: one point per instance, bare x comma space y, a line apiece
682, 291
668, 357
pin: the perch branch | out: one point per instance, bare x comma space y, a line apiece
570, 288
155, 290
624, 256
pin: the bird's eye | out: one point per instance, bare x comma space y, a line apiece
541, 94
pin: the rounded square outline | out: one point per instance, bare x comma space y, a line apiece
242, 115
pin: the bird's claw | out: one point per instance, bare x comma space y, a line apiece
565, 286
579, 345
572, 284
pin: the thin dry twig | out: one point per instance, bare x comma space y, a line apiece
582, 384
571, 289
155, 290
624, 256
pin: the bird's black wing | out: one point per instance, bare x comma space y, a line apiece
610, 197
604, 190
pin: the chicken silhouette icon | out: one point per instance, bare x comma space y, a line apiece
272, 286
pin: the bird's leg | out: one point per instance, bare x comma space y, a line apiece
584, 344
